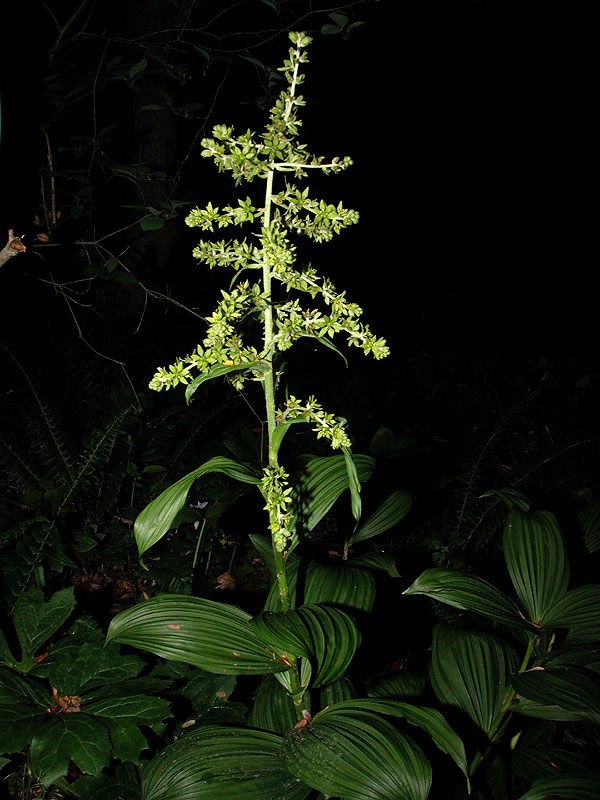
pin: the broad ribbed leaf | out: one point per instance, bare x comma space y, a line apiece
386, 562
423, 717
357, 757
338, 585
353, 483
334, 638
272, 709
213, 763
213, 636
589, 517
584, 787
398, 683
461, 590
534, 762
574, 689
156, 519
579, 608
327, 636
469, 670
284, 632
322, 481
336, 692
536, 559
391, 511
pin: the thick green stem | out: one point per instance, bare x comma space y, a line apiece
269, 390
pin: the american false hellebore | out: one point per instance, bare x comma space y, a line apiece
307, 731
304, 640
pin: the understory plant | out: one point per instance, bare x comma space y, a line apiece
69, 703
317, 726
308, 730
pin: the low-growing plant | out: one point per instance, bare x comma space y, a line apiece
512, 660
72, 700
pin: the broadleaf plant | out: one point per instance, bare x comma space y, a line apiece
72, 699
308, 633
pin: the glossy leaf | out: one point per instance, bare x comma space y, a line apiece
390, 512
327, 636
397, 683
579, 608
589, 517
322, 481
272, 709
536, 559
157, 518
357, 757
469, 592
578, 787
69, 737
469, 669
213, 636
386, 562
35, 621
353, 483
348, 587
334, 638
336, 692
576, 690
428, 719
213, 763
19, 723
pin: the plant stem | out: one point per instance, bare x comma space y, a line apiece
269, 390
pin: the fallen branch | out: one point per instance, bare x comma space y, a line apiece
13, 247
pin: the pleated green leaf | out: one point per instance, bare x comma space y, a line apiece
536, 559
156, 519
327, 636
322, 481
353, 483
338, 585
336, 692
579, 608
534, 762
589, 517
579, 787
461, 590
386, 562
213, 636
574, 689
469, 669
284, 632
391, 511
397, 683
272, 709
357, 757
213, 763
428, 719
334, 637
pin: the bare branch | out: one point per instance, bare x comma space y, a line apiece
13, 247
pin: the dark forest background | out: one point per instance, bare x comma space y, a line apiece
470, 126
